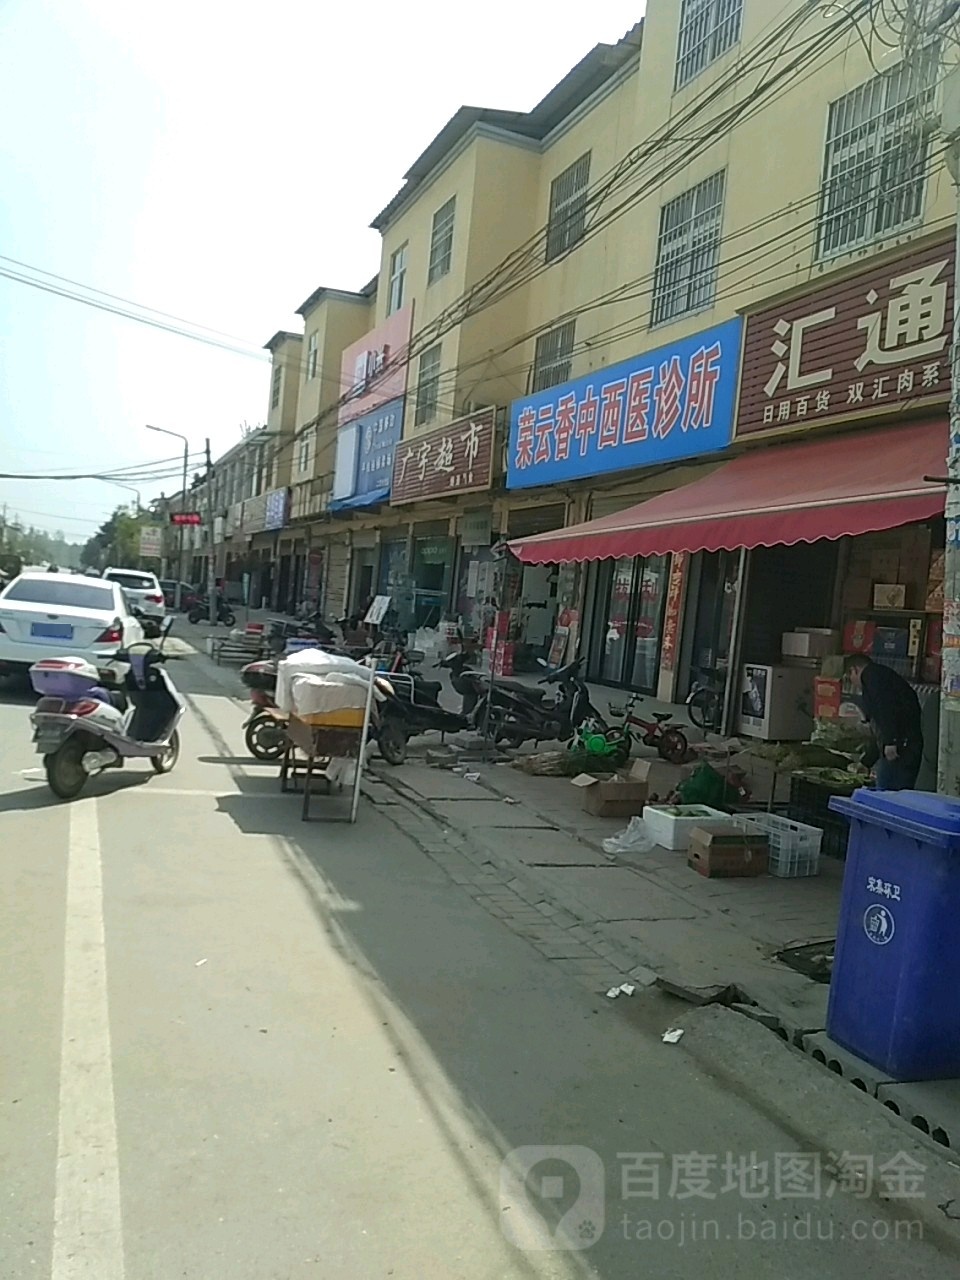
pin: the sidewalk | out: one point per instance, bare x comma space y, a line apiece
700, 937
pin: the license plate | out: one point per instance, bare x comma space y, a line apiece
51, 631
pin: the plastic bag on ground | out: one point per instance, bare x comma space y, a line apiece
634, 838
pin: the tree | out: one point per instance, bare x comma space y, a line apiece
117, 541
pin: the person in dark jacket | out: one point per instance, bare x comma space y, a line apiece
893, 710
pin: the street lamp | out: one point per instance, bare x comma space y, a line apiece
183, 499
129, 487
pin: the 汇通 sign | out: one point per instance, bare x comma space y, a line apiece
453, 459
862, 346
674, 402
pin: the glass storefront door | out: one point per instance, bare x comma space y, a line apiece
627, 622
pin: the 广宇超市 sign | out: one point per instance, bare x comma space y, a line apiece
860, 347
674, 402
454, 459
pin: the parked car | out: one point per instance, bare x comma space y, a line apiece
188, 594
45, 615
143, 590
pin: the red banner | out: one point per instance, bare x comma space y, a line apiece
671, 617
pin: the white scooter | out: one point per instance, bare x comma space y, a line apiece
88, 720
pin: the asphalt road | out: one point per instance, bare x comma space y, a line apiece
235, 1045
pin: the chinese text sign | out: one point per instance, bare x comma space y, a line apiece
453, 459
862, 346
379, 434
373, 371
674, 402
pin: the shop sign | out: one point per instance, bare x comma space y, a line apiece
674, 402
476, 528
366, 449
151, 540
255, 514
453, 459
867, 345
671, 615
275, 509
373, 371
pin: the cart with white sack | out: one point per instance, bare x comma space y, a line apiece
330, 702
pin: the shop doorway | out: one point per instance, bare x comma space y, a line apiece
628, 621
716, 606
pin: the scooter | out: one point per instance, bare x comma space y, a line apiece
474, 687
201, 611
514, 719
88, 720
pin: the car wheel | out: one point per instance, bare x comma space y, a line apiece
66, 775
165, 762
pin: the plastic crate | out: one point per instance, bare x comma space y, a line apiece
809, 804
794, 846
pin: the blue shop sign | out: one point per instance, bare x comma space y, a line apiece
374, 436
674, 402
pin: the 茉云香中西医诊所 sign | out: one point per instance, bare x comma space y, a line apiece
674, 402
857, 347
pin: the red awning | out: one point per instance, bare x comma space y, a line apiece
833, 488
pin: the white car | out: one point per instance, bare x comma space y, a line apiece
142, 589
44, 615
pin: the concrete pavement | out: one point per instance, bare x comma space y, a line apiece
235, 1044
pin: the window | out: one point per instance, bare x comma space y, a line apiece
568, 208
133, 581
275, 393
398, 275
428, 386
688, 251
708, 28
303, 462
876, 156
441, 241
313, 343
552, 358
59, 594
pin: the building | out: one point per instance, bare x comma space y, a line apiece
613, 299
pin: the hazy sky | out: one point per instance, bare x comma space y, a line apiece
218, 161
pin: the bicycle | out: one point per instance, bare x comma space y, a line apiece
669, 739
705, 700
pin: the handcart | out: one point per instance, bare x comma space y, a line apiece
314, 741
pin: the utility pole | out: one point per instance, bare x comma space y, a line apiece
211, 567
183, 506
948, 764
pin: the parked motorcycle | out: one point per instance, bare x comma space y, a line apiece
474, 687
200, 612
88, 720
518, 714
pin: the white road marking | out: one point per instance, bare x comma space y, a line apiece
87, 1229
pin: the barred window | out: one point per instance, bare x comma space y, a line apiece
708, 28
688, 251
552, 359
568, 208
275, 390
441, 241
876, 154
428, 386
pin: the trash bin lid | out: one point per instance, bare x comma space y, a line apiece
937, 813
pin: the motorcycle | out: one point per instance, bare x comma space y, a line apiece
200, 611
88, 720
474, 687
517, 714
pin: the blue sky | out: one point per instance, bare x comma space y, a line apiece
217, 161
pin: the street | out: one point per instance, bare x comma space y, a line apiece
237, 1045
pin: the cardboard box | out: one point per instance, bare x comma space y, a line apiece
622, 796
934, 600
857, 593
858, 636
810, 642
718, 851
938, 566
885, 566
889, 595
827, 695
891, 642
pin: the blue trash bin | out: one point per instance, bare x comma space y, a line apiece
895, 990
